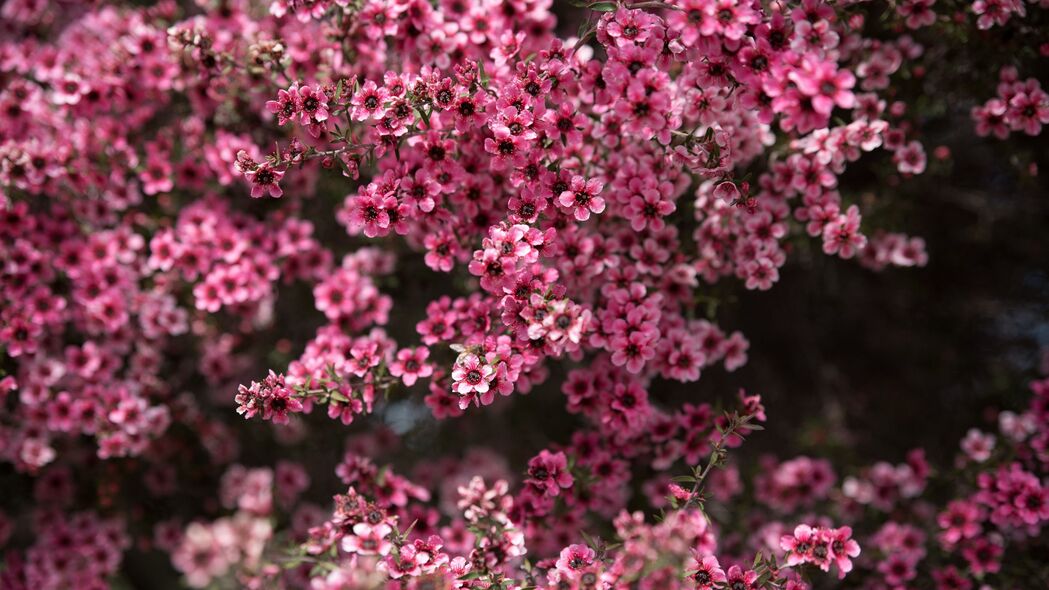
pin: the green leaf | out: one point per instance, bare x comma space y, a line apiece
603, 6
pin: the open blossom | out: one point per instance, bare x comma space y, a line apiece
706, 572
978, 445
410, 365
1028, 111
827, 86
581, 197
842, 236
368, 539
961, 520
648, 208
369, 101
821, 547
472, 375
265, 181
287, 105
408, 561
575, 558
843, 549
910, 159
313, 105
549, 472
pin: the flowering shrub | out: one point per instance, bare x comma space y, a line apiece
232, 207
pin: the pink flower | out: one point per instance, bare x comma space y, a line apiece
910, 159
842, 549
825, 84
581, 197
706, 572
648, 208
471, 375
371, 211
961, 520
287, 105
407, 561
629, 26
313, 105
369, 102
1028, 111
277, 405
800, 545
740, 579
265, 180
633, 350
842, 236
983, 556
368, 539
548, 472
411, 364
575, 558
978, 445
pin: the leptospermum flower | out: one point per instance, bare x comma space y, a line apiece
581, 197
978, 445
548, 472
706, 572
471, 375
575, 558
739, 579
368, 539
411, 364
265, 181
843, 548
369, 101
287, 105
313, 106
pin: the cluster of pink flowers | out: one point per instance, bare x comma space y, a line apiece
476, 534
883, 484
821, 547
578, 207
1021, 105
80, 550
801, 481
990, 13
675, 95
